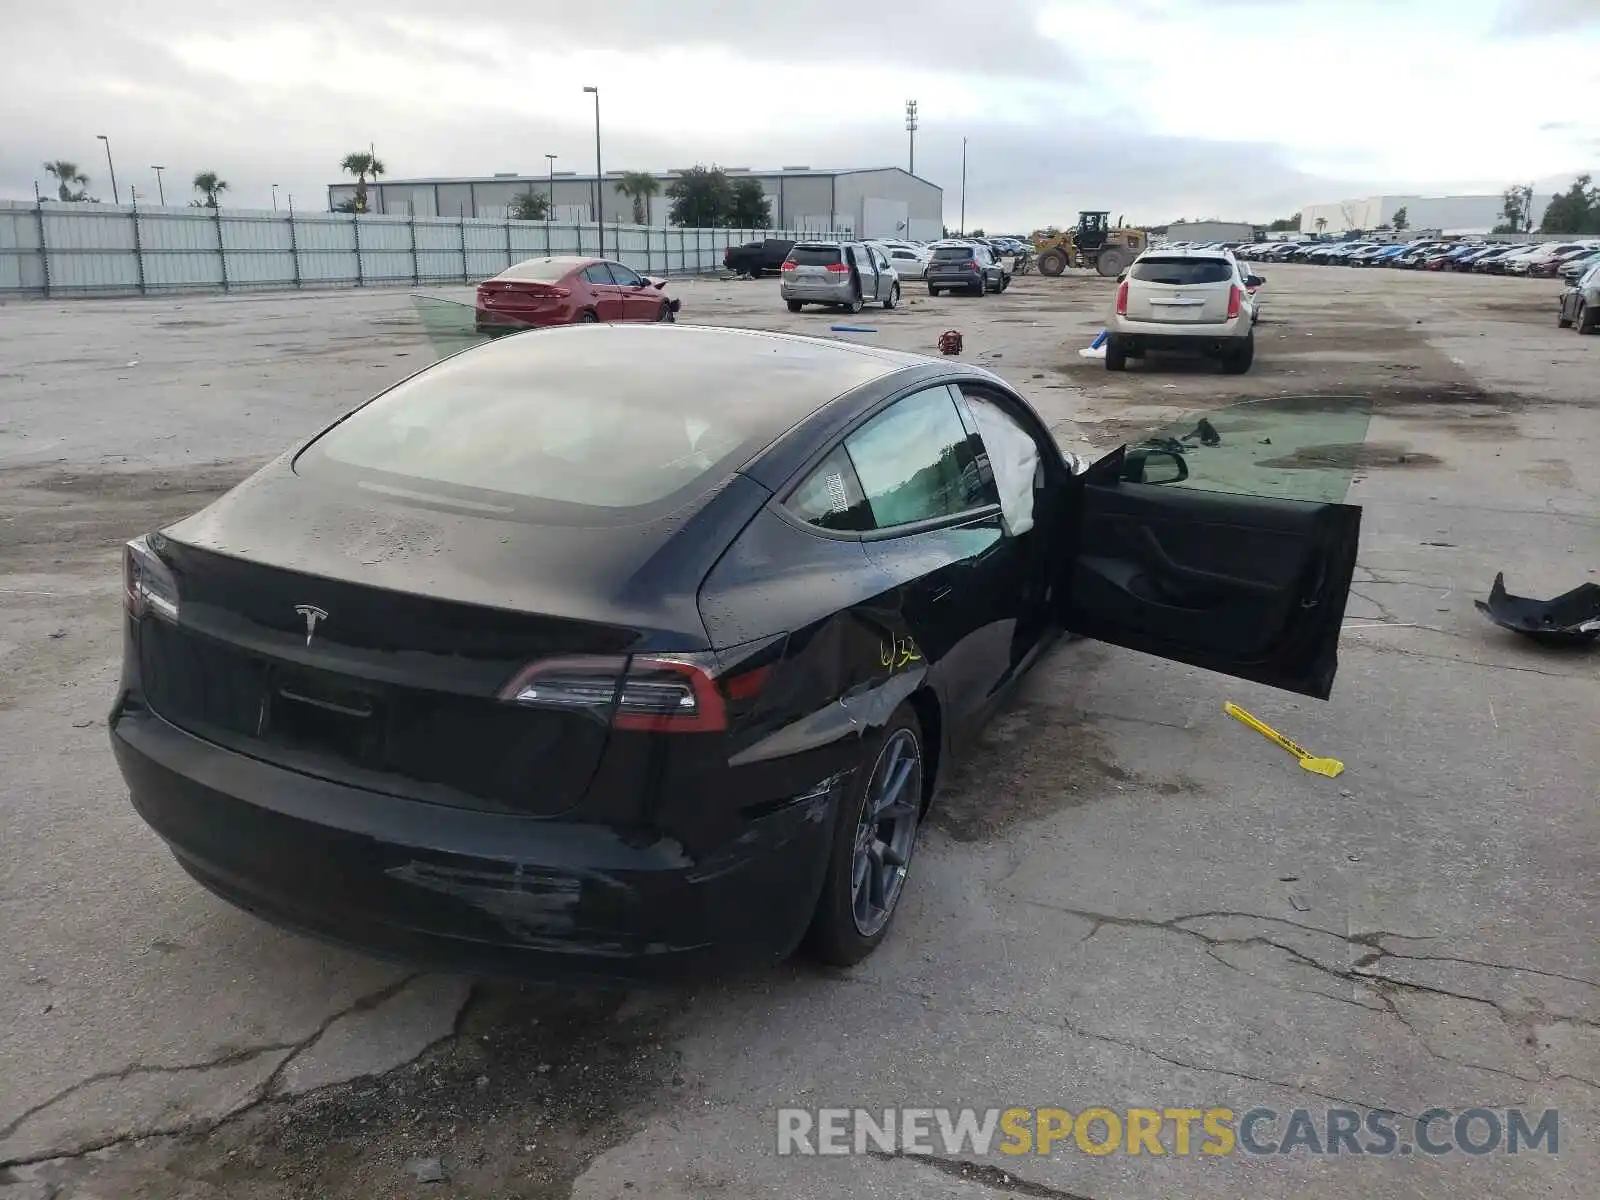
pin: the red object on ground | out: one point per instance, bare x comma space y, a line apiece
950, 342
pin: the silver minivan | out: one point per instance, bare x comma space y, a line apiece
848, 274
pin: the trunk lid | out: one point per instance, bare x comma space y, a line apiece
377, 689
1179, 290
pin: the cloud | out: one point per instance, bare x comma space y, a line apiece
1535, 17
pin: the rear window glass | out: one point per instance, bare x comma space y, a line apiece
814, 256
947, 252
544, 269
494, 432
1182, 272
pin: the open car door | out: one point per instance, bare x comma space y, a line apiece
1224, 541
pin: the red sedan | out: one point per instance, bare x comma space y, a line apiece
567, 290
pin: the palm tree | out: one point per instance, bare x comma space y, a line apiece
361, 164
208, 185
67, 176
639, 186
1321, 223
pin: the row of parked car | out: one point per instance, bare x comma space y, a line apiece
910, 258
852, 274
1549, 260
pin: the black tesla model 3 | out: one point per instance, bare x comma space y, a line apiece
631, 651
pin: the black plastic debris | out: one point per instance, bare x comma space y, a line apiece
1572, 618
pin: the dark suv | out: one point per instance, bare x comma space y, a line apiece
970, 268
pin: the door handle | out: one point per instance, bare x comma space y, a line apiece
1195, 576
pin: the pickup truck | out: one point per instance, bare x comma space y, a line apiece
755, 259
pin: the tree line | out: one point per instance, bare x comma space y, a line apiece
72, 185
1574, 211
702, 197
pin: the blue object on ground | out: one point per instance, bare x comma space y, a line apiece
852, 329
1100, 340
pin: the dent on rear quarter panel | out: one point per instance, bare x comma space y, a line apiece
835, 681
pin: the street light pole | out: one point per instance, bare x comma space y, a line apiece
161, 192
599, 175
911, 134
274, 197
963, 187
549, 209
115, 198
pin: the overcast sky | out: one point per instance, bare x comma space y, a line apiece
1156, 108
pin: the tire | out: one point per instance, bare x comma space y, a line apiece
1005, 282
588, 317
1052, 262
932, 291
1116, 354
1111, 262
894, 297
665, 315
1588, 318
848, 925
1562, 320
982, 289
1237, 362
856, 304
795, 306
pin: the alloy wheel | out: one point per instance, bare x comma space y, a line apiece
886, 832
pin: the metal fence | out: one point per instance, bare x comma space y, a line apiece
56, 249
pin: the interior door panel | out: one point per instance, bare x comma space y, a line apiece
1249, 586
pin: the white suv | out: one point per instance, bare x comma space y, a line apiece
1190, 301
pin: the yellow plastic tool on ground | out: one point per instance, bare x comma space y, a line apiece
1330, 767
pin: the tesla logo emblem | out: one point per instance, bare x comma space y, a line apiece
312, 614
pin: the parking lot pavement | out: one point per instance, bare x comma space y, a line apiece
1126, 900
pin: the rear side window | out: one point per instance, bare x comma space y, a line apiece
598, 274
814, 256
916, 461
1182, 272
831, 497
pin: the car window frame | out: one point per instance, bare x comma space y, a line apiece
780, 499
637, 281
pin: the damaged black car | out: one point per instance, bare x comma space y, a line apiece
640, 651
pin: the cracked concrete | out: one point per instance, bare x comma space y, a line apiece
1131, 901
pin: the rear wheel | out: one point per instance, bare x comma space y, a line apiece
1116, 354
873, 840
1052, 262
794, 306
855, 304
1562, 320
981, 288
1237, 361
1111, 262
588, 317
894, 297
1588, 318
932, 291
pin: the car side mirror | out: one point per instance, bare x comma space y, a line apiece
1154, 466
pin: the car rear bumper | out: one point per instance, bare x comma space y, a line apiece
1138, 336
841, 291
466, 890
486, 319
953, 279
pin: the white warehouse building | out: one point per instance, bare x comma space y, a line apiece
1447, 214
872, 202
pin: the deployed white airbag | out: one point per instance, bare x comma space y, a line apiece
1014, 458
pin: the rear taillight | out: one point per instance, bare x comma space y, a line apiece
1122, 299
666, 693
148, 587
788, 266
538, 291
838, 268
973, 266
1235, 297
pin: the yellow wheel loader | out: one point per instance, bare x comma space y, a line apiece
1094, 243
